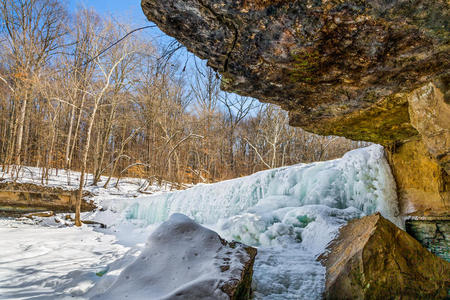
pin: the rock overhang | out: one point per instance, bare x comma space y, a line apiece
339, 67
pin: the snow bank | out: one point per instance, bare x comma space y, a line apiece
182, 260
52, 262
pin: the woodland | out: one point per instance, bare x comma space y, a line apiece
81, 91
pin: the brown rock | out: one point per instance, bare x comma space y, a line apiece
240, 288
28, 197
374, 259
423, 187
430, 115
373, 70
340, 66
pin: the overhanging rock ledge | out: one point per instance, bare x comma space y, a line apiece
373, 70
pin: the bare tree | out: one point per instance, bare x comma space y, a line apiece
32, 31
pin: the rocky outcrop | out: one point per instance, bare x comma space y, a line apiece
429, 110
17, 198
374, 259
368, 70
183, 260
339, 67
423, 186
376, 71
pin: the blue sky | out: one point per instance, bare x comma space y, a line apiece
128, 11
121, 9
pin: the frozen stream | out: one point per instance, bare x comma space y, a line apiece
289, 213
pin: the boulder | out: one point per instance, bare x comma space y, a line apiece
374, 259
183, 260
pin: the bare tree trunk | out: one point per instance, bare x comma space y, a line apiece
21, 124
98, 173
69, 136
69, 164
83, 165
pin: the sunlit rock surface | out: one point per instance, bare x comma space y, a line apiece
374, 259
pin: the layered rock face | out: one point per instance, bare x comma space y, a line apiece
374, 259
433, 233
19, 198
367, 70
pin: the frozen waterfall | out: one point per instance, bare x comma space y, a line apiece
289, 213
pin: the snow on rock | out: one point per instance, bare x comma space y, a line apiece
183, 260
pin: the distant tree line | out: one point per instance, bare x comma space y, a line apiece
129, 111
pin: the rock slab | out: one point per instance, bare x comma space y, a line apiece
374, 259
19, 198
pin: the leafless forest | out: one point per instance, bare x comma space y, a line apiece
137, 109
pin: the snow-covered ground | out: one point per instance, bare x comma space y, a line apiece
47, 260
289, 213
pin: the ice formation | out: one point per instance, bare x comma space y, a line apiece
361, 179
290, 213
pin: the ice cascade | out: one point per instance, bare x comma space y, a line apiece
361, 179
290, 213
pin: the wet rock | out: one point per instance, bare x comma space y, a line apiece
374, 259
432, 232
